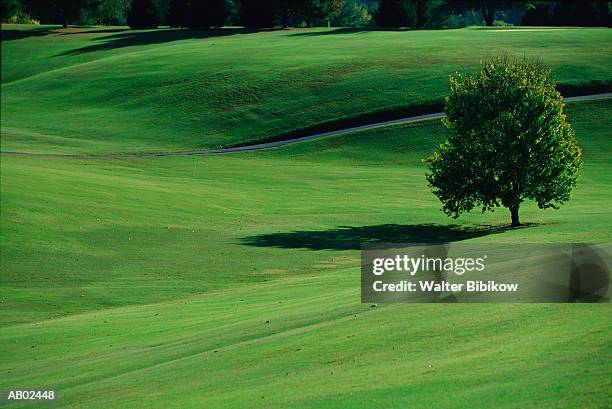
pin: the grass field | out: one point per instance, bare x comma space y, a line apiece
233, 281
180, 90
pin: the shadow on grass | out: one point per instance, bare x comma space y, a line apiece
344, 30
99, 31
128, 38
9, 34
351, 238
353, 30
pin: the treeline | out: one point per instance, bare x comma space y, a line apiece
306, 13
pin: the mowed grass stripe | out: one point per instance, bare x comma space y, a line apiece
170, 90
309, 343
81, 235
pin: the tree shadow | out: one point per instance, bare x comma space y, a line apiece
352, 237
128, 38
344, 30
355, 30
8, 34
99, 31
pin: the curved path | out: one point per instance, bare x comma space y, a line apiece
276, 144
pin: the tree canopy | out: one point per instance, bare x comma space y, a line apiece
509, 141
298, 13
142, 14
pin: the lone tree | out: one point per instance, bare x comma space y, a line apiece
509, 142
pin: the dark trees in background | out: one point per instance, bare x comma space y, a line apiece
539, 15
9, 8
309, 10
285, 13
569, 13
64, 12
206, 13
509, 141
106, 12
142, 14
582, 13
177, 13
406, 13
296, 13
353, 13
488, 8
70, 10
258, 14
393, 13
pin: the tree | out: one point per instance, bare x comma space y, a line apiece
257, 13
582, 13
309, 10
142, 14
64, 12
177, 13
539, 15
509, 142
394, 13
206, 13
353, 14
106, 12
488, 8
9, 8
406, 13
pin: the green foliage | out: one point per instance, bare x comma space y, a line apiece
106, 12
353, 14
142, 14
256, 14
285, 13
63, 12
206, 14
406, 13
21, 17
177, 13
569, 13
464, 19
9, 8
501, 23
583, 13
488, 8
509, 141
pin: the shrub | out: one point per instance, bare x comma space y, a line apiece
22, 18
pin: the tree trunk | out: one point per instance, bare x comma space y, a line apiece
488, 14
514, 212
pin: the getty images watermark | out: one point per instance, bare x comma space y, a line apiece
465, 272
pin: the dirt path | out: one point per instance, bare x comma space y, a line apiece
276, 144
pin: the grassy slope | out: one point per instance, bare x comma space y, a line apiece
179, 90
278, 322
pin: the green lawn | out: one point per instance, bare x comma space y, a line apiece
116, 90
232, 281
224, 282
